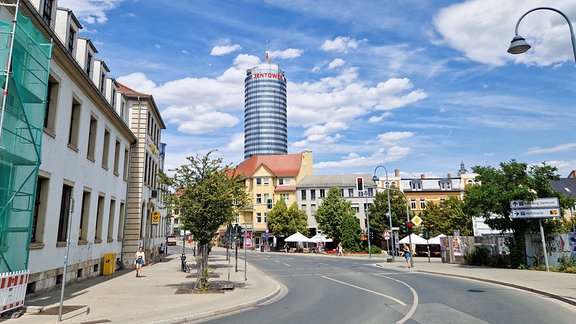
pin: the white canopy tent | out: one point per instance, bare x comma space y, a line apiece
296, 237
319, 238
414, 238
436, 239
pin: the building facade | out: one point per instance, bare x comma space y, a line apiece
269, 178
313, 189
265, 114
94, 166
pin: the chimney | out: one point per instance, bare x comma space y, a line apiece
449, 176
396, 173
422, 176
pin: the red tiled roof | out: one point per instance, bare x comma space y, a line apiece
291, 188
280, 165
129, 91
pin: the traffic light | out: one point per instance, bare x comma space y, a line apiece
426, 234
360, 183
404, 227
269, 203
410, 225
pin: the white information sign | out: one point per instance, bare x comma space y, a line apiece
536, 203
535, 213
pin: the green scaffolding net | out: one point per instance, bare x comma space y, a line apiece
21, 135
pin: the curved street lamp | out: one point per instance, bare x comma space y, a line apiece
519, 45
375, 179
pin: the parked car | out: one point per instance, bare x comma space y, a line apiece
170, 240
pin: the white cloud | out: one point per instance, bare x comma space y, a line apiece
483, 29
558, 148
340, 44
336, 63
224, 49
289, 53
90, 11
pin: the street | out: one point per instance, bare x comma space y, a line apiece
344, 290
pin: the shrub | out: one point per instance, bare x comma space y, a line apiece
375, 249
477, 255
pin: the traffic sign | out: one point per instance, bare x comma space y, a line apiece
386, 234
417, 220
155, 217
536, 203
535, 213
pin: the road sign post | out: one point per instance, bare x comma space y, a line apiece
538, 208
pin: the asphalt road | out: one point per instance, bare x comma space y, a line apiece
346, 290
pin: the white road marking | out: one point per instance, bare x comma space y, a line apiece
367, 290
414, 303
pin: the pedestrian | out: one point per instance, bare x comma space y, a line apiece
406, 251
340, 249
139, 261
161, 251
286, 247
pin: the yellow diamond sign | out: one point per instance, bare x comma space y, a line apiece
416, 220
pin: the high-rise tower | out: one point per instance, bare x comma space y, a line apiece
265, 116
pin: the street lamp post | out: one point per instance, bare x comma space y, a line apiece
519, 44
375, 179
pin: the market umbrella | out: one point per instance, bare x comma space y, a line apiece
414, 238
319, 238
296, 237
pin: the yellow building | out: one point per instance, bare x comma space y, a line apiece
269, 178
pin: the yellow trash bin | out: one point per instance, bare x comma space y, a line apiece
109, 264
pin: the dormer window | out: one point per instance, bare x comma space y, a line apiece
71, 39
47, 11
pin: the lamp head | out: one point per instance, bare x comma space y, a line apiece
518, 45
374, 178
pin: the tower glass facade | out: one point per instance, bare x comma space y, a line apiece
265, 116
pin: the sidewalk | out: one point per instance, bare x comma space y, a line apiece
561, 286
161, 295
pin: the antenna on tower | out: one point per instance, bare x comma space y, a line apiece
267, 60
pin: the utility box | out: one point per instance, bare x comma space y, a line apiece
109, 264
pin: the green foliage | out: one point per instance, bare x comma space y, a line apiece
351, 233
379, 219
447, 217
207, 194
512, 181
477, 255
331, 213
374, 249
287, 221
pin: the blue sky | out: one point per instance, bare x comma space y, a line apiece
414, 85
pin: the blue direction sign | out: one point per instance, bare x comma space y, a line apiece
536, 203
535, 213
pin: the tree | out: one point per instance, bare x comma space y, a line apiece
208, 196
283, 221
446, 217
330, 214
379, 212
351, 233
512, 181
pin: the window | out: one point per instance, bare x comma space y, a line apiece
258, 181
258, 199
39, 218
412, 203
120, 222
111, 213
422, 203
63, 221
126, 160
286, 198
341, 192
47, 11
280, 181
322, 193
74, 126
89, 61
258, 217
92, 138
84, 216
106, 149
102, 81
116, 157
370, 192
313, 194
303, 194
99, 220
51, 105
71, 39
266, 181
350, 192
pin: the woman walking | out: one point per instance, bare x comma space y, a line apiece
140, 260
